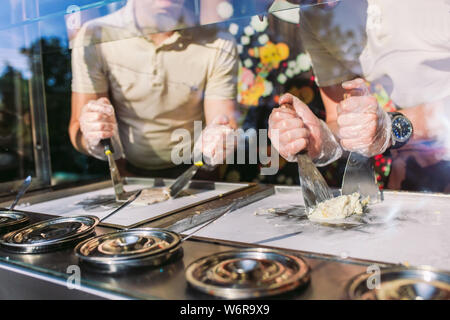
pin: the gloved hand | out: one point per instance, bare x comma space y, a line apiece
364, 127
293, 127
216, 141
97, 121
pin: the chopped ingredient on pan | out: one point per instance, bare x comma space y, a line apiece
153, 195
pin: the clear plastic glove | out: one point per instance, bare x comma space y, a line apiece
293, 127
216, 141
364, 127
97, 122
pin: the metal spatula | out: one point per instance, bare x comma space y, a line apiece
123, 205
121, 195
23, 188
359, 176
314, 186
179, 184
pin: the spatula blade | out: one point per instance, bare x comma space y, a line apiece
183, 180
359, 176
116, 179
314, 186
23, 188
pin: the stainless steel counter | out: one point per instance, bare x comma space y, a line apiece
405, 228
45, 276
409, 228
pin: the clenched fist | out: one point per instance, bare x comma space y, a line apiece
216, 141
293, 127
363, 126
97, 121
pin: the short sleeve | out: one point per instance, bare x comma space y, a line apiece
222, 77
88, 74
328, 69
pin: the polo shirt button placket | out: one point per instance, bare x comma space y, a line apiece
156, 67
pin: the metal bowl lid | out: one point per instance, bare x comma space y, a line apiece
12, 219
134, 247
247, 273
401, 283
50, 234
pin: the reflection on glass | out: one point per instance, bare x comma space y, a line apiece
150, 83
159, 82
404, 55
55, 26
16, 146
167, 16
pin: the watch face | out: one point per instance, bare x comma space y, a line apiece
402, 128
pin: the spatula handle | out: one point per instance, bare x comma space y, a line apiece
107, 144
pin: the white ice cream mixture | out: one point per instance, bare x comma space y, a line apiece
339, 208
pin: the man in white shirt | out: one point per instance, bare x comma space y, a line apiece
403, 45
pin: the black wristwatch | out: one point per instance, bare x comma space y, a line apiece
402, 130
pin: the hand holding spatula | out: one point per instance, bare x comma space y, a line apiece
299, 129
299, 135
364, 129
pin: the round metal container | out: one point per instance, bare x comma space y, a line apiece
11, 220
49, 235
248, 273
401, 283
118, 251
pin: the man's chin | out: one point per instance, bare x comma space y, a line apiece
166, 6
166, 13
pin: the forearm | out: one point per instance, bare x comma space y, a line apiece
215, 108
76, 138
333, 126
430, 121
426, 120
331, 96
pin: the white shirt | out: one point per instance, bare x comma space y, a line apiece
402, 44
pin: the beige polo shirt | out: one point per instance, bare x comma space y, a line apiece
154, 89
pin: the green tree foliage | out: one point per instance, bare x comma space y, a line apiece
16, 156
56, 66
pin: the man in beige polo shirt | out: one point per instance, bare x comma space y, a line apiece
134, 79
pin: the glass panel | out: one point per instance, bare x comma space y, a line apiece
54, 16
17, 154
158, 82
16, 144
404, 58
222, 56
